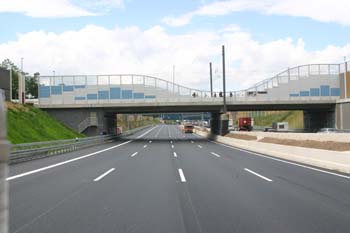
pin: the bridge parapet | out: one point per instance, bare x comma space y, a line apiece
308, 82
313, 80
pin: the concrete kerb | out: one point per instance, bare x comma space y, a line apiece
332, 160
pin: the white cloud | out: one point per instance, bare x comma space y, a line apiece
97, 50
320, 10
58, 8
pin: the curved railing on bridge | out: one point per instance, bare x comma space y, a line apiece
306, 81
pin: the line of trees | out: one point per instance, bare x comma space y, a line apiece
30, 81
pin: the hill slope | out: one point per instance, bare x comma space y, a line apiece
30, 124
294, 118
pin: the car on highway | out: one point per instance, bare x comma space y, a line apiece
327, 130
188, 128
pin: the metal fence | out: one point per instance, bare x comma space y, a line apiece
29, 151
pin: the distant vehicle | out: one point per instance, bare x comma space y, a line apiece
280, 126
205, 123
118, 130
245, 123
327, 130
188, 128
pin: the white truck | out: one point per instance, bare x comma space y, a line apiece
278, 127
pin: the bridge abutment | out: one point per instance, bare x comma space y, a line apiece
343, 114
317, 119
219, 123
91, 122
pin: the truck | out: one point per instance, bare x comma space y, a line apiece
245, 123
188, 128
278, 127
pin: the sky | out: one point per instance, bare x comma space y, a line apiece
261, 37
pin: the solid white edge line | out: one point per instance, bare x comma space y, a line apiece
134, 154
182, 176
159, 131
283, 161
104, 174
213, 153
257, 174
64, 162
71, 160
175, 155
147, 132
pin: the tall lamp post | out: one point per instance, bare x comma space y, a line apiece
345, 78
211, 79
21, 85
224, 77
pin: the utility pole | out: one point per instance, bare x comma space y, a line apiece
224, 77
345, 80
173, 78
21, 85
54, 77
211, 80
21, 64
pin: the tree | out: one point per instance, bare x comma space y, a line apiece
32, 85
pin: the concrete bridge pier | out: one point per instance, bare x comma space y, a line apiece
343, 114
219, 123
317, 119
110, 123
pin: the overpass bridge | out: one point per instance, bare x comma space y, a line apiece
86, 102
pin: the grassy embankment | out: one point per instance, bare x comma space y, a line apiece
29, 124
295, 119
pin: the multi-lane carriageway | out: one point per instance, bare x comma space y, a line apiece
163, 181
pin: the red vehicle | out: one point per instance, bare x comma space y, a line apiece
245, 123
188, 128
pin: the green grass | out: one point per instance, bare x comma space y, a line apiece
29, 124
294, 119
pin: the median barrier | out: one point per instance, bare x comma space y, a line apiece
30, 151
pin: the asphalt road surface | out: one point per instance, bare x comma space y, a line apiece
163, 181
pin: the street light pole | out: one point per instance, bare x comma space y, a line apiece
224, 77
21, 84
345, 79
54, 77
173, 78
211, 80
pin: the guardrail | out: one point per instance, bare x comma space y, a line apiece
29, 151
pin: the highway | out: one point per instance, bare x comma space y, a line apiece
163, 181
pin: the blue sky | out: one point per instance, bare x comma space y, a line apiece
300, 30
